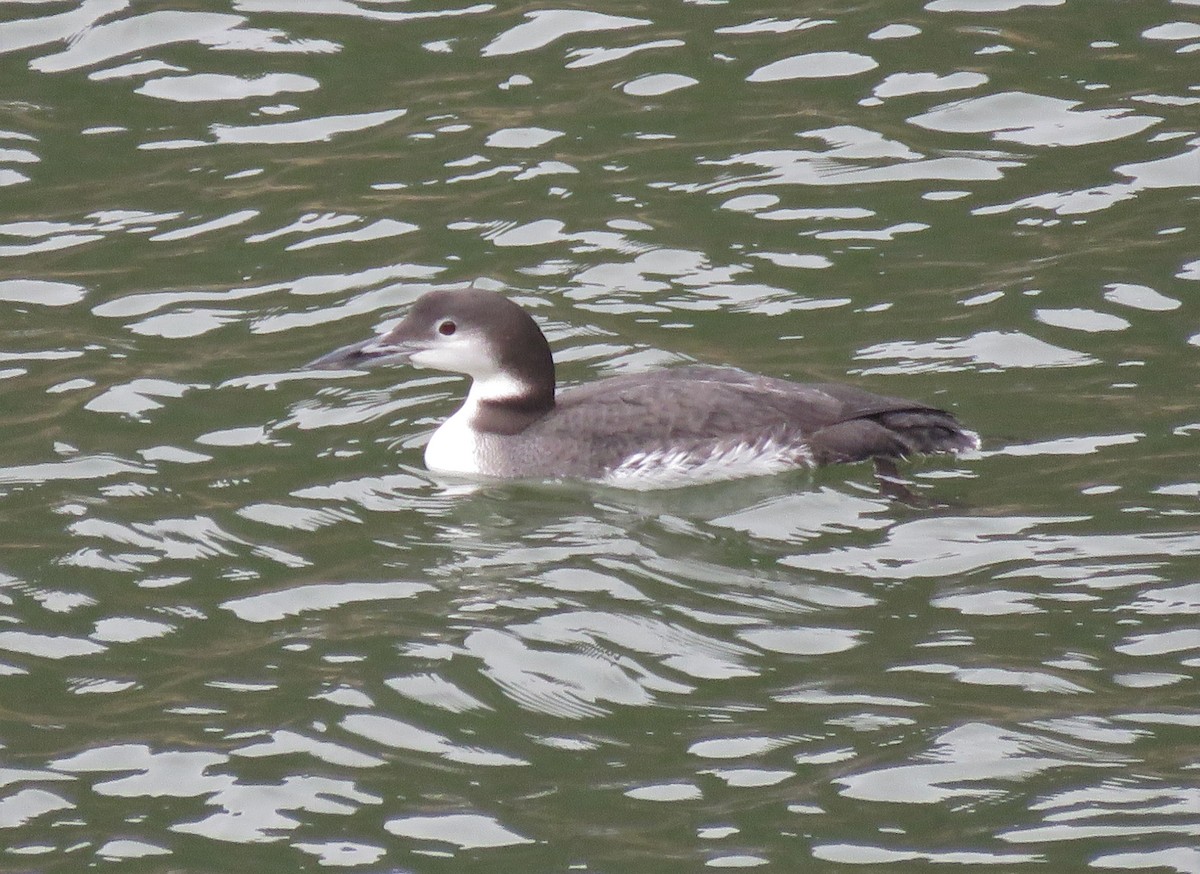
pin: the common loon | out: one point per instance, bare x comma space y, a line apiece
665, 427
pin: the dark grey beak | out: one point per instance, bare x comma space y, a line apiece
367, 353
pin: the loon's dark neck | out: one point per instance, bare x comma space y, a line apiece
510, 415
524, 357
524, 392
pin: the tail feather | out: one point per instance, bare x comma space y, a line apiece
897, 434
929, 431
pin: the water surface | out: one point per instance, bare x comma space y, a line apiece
238, 619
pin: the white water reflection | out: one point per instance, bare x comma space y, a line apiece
41, 292
1081, 319
397, 734
1035, 120
987, 350
1177, 171
467, 831
521, 137
562, 683
47, 646
986, 5
842, 163
903, 84
82, 468
544, 26
954, 546
309, 130
1140, 297
114, 39
306, 599
814, 65
217, 86
226, 221
657, 84
965, 762
590, 57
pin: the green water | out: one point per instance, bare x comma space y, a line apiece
241, 627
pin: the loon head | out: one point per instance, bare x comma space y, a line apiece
465, 330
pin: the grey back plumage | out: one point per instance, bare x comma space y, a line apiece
693, 409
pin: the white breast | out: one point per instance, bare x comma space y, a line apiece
454, 446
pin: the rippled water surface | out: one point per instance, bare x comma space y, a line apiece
240, 624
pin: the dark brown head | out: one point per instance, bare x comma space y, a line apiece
465, 330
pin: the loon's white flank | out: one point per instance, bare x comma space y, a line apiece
665, 468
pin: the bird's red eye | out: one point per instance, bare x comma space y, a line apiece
447, 328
